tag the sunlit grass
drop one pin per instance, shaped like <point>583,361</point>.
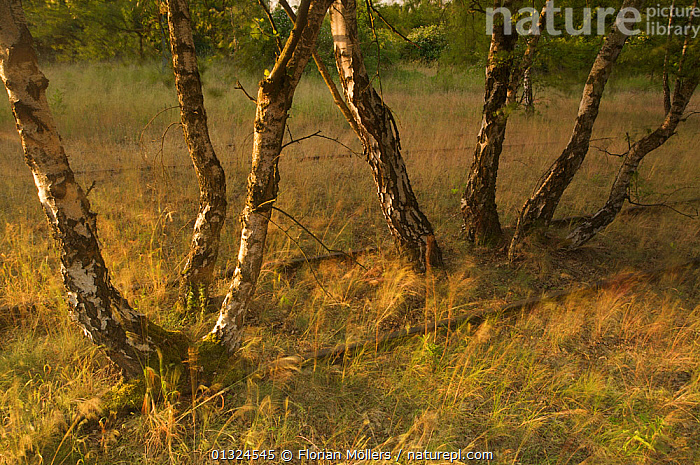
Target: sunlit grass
<point>609,377</point>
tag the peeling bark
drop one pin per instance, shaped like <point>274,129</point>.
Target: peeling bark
<point>95,304</point>
<point>478,205</point>
<point>684,89</point>
<point>374,124</point>
<point>273,102</point>
<point>204,248</point>
<point>539,208</point>
<point>323,71</point>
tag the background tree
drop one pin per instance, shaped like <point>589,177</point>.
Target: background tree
<point>521,74</point>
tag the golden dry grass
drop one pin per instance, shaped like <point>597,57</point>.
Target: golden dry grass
<point>609,377</point>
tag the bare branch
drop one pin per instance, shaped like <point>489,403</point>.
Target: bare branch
<point>606,152</point>
<point>329,250</point>
<point>143,130</point>
<point>240,87</point>
<point>275,31</point>
<point>321,136</point>
<point>89,189</point>
<point>337,97</point>
<point>313,272</point>
<point>664,205</point>
<point>688,115</point>
<point>294,141</point>
<point>391,26</point>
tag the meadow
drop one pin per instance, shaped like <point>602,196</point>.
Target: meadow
<point>607,377</point>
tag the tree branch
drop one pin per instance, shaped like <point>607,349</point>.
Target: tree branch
<point>275,31</point>
<point>240,87</point>
<point>329,250</point>
<point>664,205</point>
<point>390,26</point>
<point>337,97</point>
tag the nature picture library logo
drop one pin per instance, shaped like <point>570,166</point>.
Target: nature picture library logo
<point>651,21</point>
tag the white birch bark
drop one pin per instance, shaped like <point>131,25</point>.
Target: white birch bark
<point>540,207</point>
<point>376,128</point>
<point>273,102</point>
<point>686,85</point>
<point>95,305</point>
<point>204,248</point>
<point>478,203</point>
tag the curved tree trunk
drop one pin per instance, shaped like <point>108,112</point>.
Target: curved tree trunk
<point>378,133</point>
<point>540,207</point>
<point>95,305</point>
<point>685,87</point>
<point>204,248</point>
<point>478,205</point>
<point>274,100</point>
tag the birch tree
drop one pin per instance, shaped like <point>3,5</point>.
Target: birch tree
<point>204,247</point>
<point>685,86</point>
<point>128,337</point>
<point>375,126</point>
<point>478,205</point>
<point>540,207</point>
<point>521,73</point>
<point>274,100</point>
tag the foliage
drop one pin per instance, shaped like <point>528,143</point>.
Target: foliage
<point>430,41</point>
<point>449,33</point>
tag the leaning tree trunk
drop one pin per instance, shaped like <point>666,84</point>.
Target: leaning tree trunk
<point>377,130</point>
<point>620,189</point>
<point>274,100</point>
<point>540,207</point>
<point>478,205</point>
<point>683,92</point>
<point>95,305</point>
<point>204,248</point>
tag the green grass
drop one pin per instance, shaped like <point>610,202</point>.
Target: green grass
<point>610,377</point>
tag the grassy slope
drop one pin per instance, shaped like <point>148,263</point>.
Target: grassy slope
<point>612,377</point>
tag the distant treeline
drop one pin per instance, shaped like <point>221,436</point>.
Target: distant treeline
<point>445,33</point>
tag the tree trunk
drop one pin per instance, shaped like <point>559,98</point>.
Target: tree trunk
<point>528,101</point>
<point>274,100</point>
<point>478,205</point>
<point>95,305</point>
<point>521,74</point>
<point>204,248</point>
<point>539,208</point>
<point>376,128</point>
<point>667,52</point>
<point>685,87</point>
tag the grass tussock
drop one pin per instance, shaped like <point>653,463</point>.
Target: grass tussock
<point>608,377</point>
